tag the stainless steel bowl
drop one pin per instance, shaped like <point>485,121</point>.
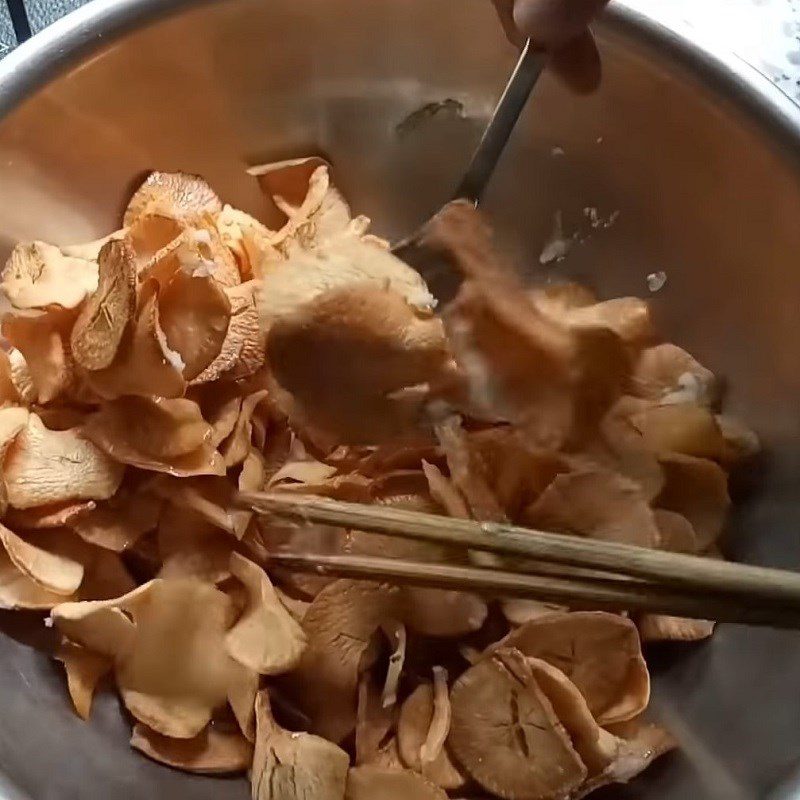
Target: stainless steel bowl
<point>697,153</point>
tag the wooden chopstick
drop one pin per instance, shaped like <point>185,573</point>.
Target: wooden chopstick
<point>576,593</point>
<point>689,573</point>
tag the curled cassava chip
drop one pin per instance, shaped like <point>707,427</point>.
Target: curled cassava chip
<point>144,364</point>
<point>43,342</point>
<point>104,318</point>
<point>44,467</point>
<point>53,572</point>
<point>194,314</point>
<point>211,752</point>
<point>38,275</point>
<point>174,195</point>
<point>84,671</point>
<point>599,652</point>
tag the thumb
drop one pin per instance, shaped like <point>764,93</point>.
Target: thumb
<point>551,23</point>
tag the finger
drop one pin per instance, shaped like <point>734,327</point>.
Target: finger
<point>577,63</point>
<point>552,23</point>
<point>505,10</point>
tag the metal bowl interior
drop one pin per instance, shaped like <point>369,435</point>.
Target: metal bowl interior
<point>696,153</point>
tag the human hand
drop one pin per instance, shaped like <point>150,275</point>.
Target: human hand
<point>560,26</point>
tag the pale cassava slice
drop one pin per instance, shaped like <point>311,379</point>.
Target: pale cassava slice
<point>38,275</point>
<point>599,652</point>
<point>53,572</point>
<point>505,733</point>
<point>211,752</point>
<point>104,318</point>
<point>167,641</point>
<point>153,426</point>
<point>294,766</point>
<point>640,743</point>
<point>44,467</point>
<point>43,342</point>
<point>191,547</point>
<point>664,628</point>
<point>120,521</point>
<point>596,746</point>
<point>84,671</point>
<point>265,638</point>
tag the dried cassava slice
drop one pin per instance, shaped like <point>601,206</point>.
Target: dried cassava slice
<point>53,572</point>
<point>345,357</point>
<point>664,628</point>
<point>42,341</point>
<point>339,264</point>
<point>44,467</point>
<point>18,591</point>
<point>155,427</point>
<point>339,624</point>
<point>194,314</point>
<point>265,638</point>
<point>367,782</point>
<point>156,434</point>
<point>414,728</point>
<point>596,747</point>
<point>104,318</point>
<point>170,660</point>
<point>191,547</point>
<point>294,766</point>
<point>696,488</point>
<point>173,195</point>
<point>144,364</point>
<point>640,744</point>
<point>211,752</point>
<point>680,428</point>
<point>120,521</point>
<point>596,503</point>
<point>84,671</point>
<point>505,733</point>
<point>249,240</point>
<point>53,515</point>
<point>242,351</point>
<point>666,373</point>
<point>599,652</point>
<point>38,275</point>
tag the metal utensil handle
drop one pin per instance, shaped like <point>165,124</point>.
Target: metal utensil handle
<point>484,159</point>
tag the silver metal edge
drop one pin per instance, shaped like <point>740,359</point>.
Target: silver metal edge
<point>88,29</point>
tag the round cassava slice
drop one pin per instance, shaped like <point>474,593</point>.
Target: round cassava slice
<point>505,733</point>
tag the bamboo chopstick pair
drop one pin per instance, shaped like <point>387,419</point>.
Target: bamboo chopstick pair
<point>591,574</point>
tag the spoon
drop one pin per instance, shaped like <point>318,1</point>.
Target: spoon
<point>527,70</point>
